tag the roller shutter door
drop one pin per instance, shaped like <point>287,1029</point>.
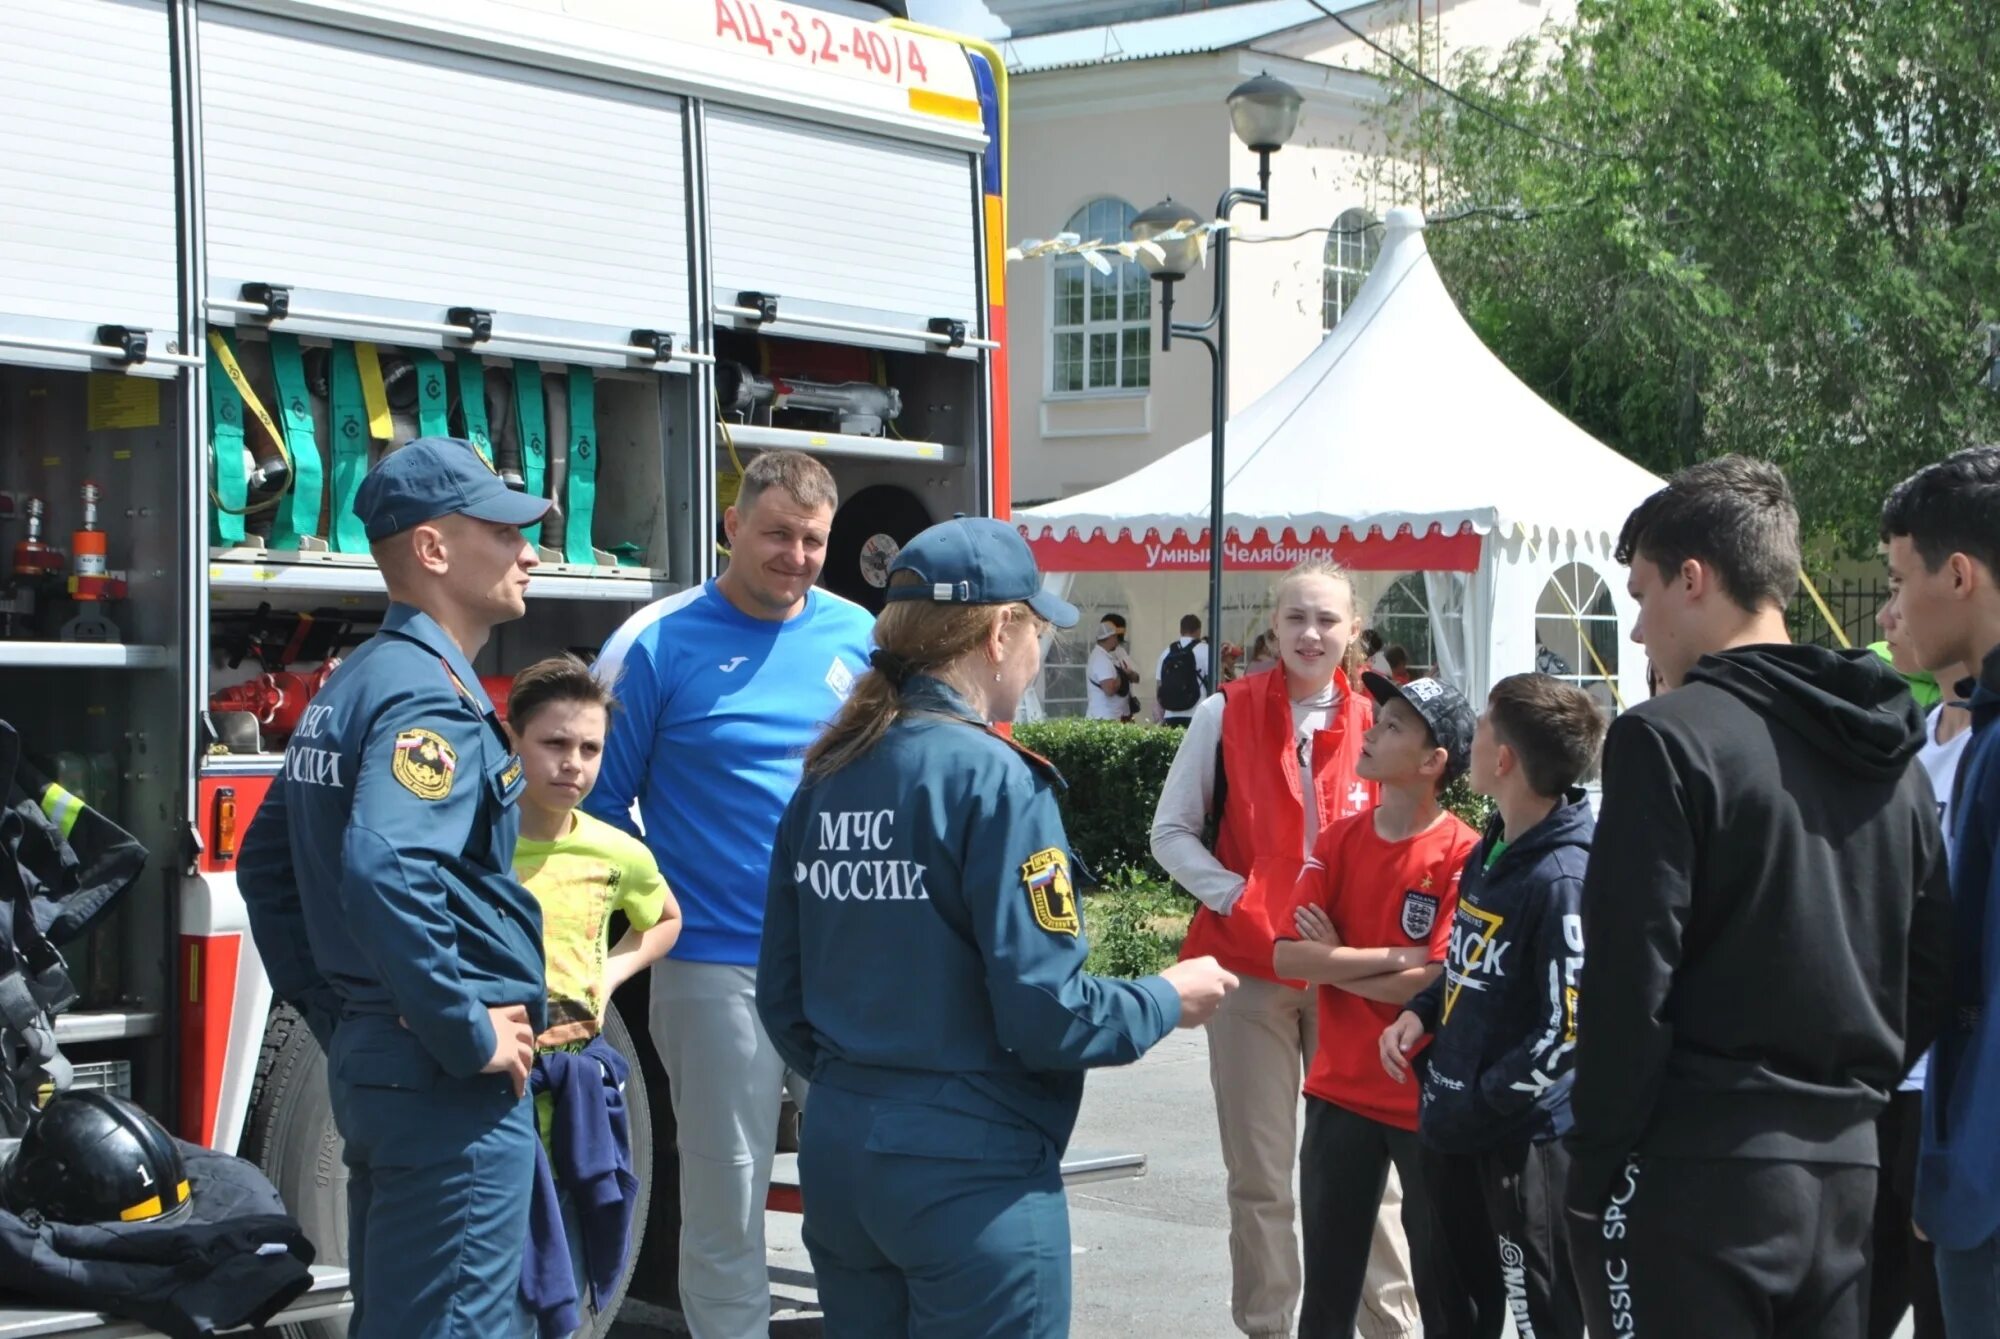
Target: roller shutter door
<point>397,173</point>
<point>867,228</point>
<point>88,232</point>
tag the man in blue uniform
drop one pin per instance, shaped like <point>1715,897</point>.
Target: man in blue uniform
<point>922,961</point>
<point>378,877</point>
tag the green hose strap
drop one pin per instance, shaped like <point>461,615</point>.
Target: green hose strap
<point>350,450</point>
<point>582,500</point>
<point>472,402</point>
<point>433,416</point>
<point>226,446</point>
<point>298,510</point>
<point>532,418</point>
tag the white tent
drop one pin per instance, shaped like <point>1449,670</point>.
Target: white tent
<point>1401,444</point>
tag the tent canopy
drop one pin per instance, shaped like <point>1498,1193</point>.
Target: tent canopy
<point>1396,445</point>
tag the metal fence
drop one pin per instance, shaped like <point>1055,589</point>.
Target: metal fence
<point>1853,604</point>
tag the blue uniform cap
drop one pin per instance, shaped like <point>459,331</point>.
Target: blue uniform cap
<point>976,560</point>
<point>438,476</point>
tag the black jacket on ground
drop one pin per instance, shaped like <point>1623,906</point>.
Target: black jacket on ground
<point>1767,913</point>
<point>1503,1015</point>
<point>235,1258</point>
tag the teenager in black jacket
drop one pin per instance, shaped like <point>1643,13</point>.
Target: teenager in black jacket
<point>1768,923</point>
<point>1496,1075</point>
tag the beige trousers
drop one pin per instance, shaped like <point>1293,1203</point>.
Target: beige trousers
<point>1259,1044</point>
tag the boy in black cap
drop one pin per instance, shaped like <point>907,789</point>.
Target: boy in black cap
<point>1373,911</point>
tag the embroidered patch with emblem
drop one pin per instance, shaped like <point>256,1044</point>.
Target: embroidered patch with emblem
<point>512,774</point>
<point>424,764</point>
<point>840,678</point>
<point>1052,897</point>
<point>1420,913</point>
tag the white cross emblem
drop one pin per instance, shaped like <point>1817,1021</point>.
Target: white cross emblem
<point>1357,797</point>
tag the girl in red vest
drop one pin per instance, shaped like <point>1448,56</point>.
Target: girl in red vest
<point>1278,751</point>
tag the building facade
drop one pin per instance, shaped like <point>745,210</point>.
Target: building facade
<point>1109,118</point>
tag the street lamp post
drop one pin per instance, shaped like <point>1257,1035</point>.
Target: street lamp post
<point>1264,113</point>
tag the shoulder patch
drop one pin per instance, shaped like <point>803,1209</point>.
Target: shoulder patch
<point>424,763</point>
<point>1051,894</point>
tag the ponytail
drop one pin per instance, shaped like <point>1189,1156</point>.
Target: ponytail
<point>872,706</point>
<point>911,637</point>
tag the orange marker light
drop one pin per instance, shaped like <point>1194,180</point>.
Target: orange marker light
<point>225,824</point>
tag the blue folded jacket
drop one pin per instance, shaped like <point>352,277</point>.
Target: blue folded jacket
<point>589,1155</point>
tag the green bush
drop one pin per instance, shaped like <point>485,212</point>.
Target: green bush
<point>1136,924</point>
<point>1474,809</point>
<point>1115,772</point>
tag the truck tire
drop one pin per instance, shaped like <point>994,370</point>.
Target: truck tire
<point>291,1136</point>
<point>639,1118</point>
<point>867,533</point>
<point>656,1268</point>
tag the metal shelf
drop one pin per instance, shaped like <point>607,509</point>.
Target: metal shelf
<point>82,1027</point>
<point>81,655</point>
<point>350,578</point>
<point>841,444</point>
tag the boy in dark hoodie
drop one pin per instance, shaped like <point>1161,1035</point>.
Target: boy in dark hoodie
<point>1496,1077</point>
<point>1768,921</point>
<point>1941,529</point>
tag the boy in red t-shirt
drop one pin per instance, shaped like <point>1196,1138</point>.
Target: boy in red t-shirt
<point>1373,911</point>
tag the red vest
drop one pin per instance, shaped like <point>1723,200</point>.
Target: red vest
<point>1263,833</point>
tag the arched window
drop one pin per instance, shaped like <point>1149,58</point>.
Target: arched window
<point>1576,632</point>
<point>1351,249</point>
<point>1402,616</point>
<point>1100,324</point>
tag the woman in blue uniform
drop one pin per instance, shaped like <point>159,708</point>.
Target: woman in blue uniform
<point>923,962</point>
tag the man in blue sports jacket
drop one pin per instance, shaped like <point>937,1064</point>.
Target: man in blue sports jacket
<point>720,688</point>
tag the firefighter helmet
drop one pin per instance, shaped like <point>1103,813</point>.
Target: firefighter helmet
<point>90,1157</point>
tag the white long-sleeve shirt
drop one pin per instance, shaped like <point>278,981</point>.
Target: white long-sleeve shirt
<point>1189,794</point>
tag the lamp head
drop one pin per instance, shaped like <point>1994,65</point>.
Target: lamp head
<point>1265,112</point>
<point>1181,254</point>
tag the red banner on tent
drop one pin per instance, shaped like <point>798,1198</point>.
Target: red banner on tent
<point>1403,551</point>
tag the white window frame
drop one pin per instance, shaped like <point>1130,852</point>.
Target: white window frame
<point>1061,665</point>
<point>1351,250</point>
<point>1560,634</point>
<point>1409,628</point>
<point>1125,273</point>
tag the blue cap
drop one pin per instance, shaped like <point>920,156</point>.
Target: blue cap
<point>976,560</point>
<point>438,476</point>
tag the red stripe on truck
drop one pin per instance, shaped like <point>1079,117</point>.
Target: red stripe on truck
<point>208,982</point>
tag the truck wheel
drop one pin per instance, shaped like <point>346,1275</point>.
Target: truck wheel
<point>639,1118</point>
<point>656,1267</point>
<point>291,1136</point>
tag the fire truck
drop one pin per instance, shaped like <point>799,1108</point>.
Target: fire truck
<point>248,247</point>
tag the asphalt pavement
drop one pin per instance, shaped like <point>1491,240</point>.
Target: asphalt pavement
<point>1151,1254</point>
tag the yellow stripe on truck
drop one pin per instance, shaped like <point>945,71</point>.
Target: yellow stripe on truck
<point>944,104</point>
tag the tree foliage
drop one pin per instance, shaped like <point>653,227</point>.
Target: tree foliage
<point>1764,226</point>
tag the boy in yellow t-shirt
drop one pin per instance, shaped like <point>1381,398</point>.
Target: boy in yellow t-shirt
<point>581,870</point>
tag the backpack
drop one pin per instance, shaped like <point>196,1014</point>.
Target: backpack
<point>1180,682</point>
